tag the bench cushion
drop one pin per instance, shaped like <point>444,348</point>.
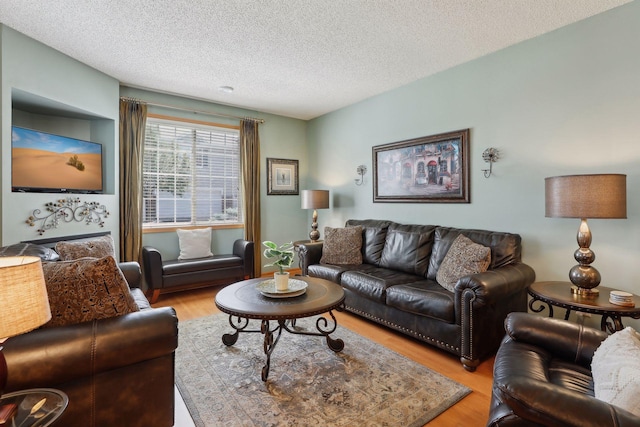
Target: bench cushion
<point>214,262</point>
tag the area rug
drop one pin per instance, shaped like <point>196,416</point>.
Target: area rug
<point>365,384</point>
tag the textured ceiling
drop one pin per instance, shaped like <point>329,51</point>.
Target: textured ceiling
<point>297,58</point>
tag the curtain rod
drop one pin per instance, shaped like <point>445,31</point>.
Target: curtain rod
<point>191,110</point>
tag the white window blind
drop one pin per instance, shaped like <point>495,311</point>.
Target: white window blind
<point>191,174</point>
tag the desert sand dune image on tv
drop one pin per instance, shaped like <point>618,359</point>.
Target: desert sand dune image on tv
<point>46,161</point>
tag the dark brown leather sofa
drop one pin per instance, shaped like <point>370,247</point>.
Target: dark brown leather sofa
<point>116,372</point>
<point>172,275</point>
<point>395,285</point>
<point>542,377</point>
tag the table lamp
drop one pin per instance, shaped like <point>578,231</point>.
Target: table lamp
<point>585,196</point>
<point>315,199</point>
<point>24,304</point>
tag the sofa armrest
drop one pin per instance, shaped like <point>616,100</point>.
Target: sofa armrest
<point>495,285</point>
<point>548,404</point>
<point>245,250</point>
<point>482,302</point>
<point>152,267</point>
<point>309,253</point>
<point>46,357</point>
<point>565,340</point>
<point>132,272</point>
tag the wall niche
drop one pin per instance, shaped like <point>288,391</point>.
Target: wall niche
<point>34,112</point>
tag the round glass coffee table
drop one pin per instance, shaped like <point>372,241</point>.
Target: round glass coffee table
<point>252,299</point>
<point>35,407</point>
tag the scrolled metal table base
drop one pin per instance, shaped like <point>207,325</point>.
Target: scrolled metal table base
<point>272,334</point>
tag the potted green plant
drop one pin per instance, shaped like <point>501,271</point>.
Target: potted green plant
<point>283,257</point>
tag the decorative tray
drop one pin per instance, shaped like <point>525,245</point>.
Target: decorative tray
<point>268,289</point>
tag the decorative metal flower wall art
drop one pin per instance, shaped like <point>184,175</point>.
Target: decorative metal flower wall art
<point>67,210</point>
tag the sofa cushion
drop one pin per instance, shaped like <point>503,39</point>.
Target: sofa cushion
<point>408,248</point>
<point>86,289</point>
<point>30,249</point>
<point>342,246</point>
<point>373,282</point>
<point>194,243</point>
<point>463,258</point>
<point>616,370</point>
<point>424,298</point>
<point>374,234</point>
<point>98,247</point>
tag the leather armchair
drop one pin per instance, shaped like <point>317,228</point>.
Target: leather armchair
<point>542,376</point>
<point>116,371</point>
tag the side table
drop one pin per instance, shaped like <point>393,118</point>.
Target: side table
<point>550,294</point>
<point>35,407</point>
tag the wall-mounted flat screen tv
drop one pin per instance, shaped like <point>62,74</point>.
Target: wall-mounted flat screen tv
<point>44,162</point>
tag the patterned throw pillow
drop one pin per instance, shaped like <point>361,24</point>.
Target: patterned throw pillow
<point>99,247</point>
<point>342,246</point>
<point>86,289</point>
<point>615,368</point>
<point>463,258</point>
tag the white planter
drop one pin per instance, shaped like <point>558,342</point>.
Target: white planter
<point>282,281</point>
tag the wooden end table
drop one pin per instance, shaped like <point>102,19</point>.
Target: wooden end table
<point>243,301</point>
<point>559,294</point>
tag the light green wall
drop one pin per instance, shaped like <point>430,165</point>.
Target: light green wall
<point>567,102</point>
<point>280,137</point>
<point>88,101</point>
<point>88,104</point>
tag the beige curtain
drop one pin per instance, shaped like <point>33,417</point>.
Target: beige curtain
<point>250,159</point>
<point>133,119</point>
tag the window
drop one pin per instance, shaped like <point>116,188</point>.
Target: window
<point>191,174</point>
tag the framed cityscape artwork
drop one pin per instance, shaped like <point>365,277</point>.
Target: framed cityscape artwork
<point>282,177</point>
<point>430,169</point>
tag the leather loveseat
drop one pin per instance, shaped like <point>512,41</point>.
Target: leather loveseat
<point>396,285</point>
<point>115,371</point>
<point>167,275</point>
<point>542,376</point>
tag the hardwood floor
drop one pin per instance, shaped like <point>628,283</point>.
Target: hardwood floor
<point>473,410</point>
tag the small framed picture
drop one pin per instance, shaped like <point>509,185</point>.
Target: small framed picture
<point>282,177</point>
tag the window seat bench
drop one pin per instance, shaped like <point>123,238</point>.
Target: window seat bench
<point>176,275</point>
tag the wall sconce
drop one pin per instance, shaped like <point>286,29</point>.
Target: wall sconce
<point>361,170</point>
<point>490,155</point>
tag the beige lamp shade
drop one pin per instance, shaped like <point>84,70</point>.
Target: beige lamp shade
<point>315,199</point>
<point>586,196</point>
<point>24,304</point>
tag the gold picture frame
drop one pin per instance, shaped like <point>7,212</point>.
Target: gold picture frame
<point>430,169</point>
